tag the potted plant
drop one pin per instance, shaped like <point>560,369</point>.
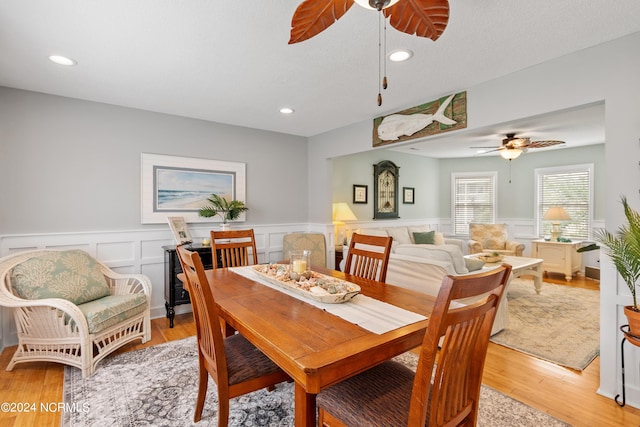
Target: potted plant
<point>623,248</point>
<point>228,210</point>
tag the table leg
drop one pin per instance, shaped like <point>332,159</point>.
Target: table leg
<point>305,407</point>
<point>537,279</point>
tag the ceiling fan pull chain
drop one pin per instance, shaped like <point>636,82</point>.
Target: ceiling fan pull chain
<point>379,59</point>
<point>384,54</point>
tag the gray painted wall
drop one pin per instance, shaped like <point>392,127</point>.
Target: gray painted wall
<point>431,179</point>
<point>72,165</point>
<point>418,172</point>
<point>516,199</point>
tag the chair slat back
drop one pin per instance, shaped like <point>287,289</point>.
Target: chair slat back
<point>368,256</point>
<point>235,248</point>
<point>448,379</point>
<point>209,333</point>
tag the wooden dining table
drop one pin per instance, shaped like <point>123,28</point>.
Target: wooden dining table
<point>316,348</point>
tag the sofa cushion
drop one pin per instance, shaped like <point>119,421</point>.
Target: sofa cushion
<point>109,311</point>
<point>426,238</point>
<point>71,275</point>
<point>448,253</point>
<point>473,264</point>
<point>399,234</point>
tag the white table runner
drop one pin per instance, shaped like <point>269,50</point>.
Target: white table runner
<point>369,313</point>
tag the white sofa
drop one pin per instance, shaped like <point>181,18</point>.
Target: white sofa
<point>421,267</point>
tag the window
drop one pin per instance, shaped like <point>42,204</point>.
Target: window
<point>570,187</point>
<point>474,199</point>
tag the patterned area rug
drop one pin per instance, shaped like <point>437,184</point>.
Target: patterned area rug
<point>561,325</point>
<point>157,386</point>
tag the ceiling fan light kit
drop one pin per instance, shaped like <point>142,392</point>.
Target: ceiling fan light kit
<point>510,154</point>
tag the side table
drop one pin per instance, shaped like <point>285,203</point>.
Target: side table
<point>174,292</point>
<point>338,257</point>
<point>559,257</point>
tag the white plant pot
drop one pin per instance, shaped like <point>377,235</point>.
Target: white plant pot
<point>225,226</point>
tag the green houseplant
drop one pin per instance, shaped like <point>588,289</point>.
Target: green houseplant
<point>623,248</point>
<point>228,210</point>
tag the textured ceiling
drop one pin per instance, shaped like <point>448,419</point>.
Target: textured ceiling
<point>229,61</point>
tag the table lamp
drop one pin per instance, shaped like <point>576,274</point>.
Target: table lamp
<point>555,215</point>
<point>341,213</point>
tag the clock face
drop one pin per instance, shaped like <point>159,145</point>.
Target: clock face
<point>386,192</point>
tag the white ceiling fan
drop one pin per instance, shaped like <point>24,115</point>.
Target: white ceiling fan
<point>513,146</point>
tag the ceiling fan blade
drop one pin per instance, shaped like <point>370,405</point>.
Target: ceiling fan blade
<point>541,144</point>
<point>424,18</point>
<point>495,147</point>
<point>314,16</point>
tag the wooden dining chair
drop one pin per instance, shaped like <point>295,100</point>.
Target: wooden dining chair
<point>235,248</point>
<point>445,389</point>
<point>236,365</point>
<point>368,256</point>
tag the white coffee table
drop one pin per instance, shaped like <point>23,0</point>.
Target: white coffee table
<point>521,266</point>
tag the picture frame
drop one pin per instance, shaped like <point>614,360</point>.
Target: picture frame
<point>360,193</point>
<point>179,229</point>
<point>179,186</point>
<point>408,195</point>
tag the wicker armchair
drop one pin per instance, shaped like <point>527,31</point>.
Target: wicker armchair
<point>492,238</point>
<point>52,328</point>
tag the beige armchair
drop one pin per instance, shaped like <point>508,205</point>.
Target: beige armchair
<point>313,242</point>
<point>492,238</point>
<point>70,308</point>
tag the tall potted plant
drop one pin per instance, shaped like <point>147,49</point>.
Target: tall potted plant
<point>623,248</point>
<point>228,210</point>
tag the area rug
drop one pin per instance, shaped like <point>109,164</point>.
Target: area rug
<point>157,386</point>
<point>560,325</point>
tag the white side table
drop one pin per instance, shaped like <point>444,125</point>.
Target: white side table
<point>559,257</point>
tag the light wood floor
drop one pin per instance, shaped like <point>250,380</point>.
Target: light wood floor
<point>565,394</point>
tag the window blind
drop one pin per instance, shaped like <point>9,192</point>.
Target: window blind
<point>473,201</point>
<point>571,188</point>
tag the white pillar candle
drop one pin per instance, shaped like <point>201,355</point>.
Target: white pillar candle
<point>299,266</point>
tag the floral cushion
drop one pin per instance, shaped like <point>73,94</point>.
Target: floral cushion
<point>109,311</point>
<point>71,275</point>
<point>492,236</point>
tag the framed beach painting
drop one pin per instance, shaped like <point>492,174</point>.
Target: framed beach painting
<point>179,186</point>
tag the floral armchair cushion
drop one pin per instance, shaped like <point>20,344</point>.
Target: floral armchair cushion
<point>71,275</point>
<point>491,236</point>
<point>313,242</point>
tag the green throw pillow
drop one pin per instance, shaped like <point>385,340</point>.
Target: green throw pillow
<point>473,264</point>
<point>425,238</point>
<point>71,275</point>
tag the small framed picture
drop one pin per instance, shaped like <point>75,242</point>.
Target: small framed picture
<point>407,195</point>
<point>359,194</point>
<point>179,229</point>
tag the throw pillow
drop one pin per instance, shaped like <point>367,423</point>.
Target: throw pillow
<point>427,238</point>
<point>71,275</point>
<point>473,264</point>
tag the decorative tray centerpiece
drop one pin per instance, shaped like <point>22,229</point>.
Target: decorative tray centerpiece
<point>309,283</point>
<point>490,257</point>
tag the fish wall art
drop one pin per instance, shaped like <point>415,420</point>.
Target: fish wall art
<point>442,115</point>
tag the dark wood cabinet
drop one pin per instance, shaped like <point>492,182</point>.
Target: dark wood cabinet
<point>174,292</point>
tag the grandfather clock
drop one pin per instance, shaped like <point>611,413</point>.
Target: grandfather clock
<point>385,190</point>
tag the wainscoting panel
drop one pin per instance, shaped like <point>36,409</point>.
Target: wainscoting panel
<point>141,252</point>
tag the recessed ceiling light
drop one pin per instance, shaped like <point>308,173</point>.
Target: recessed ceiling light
<point>286,110</point>
<point>400,55</point>
<point>62,60</point>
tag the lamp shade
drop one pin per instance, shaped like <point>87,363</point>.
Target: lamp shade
<point>556,213</point>
<point>510,153</point>
<point>342,212</point>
